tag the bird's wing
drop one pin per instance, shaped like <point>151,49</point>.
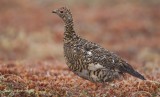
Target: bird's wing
<point>109,60</point>
<point>100,55</point>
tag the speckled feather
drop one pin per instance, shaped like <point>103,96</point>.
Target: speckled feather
<point>89,60</point>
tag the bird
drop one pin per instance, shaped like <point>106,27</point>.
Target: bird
<point>89,60</point>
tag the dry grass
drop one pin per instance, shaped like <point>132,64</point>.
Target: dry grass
<point>31,52</point>
<point>51,78</point>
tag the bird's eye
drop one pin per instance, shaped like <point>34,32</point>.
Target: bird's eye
<point>61,11</point>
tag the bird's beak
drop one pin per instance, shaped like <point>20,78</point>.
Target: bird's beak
<point>54,11</point>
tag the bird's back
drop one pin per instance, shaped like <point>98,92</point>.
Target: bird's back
<point>92,62</point>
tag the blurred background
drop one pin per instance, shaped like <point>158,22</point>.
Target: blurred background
<point>31,46</point>
<point>131,28</point>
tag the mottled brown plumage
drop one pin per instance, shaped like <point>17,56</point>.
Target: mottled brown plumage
<point>89,60</point>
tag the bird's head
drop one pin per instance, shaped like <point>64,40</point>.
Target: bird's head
<point>64,13</point>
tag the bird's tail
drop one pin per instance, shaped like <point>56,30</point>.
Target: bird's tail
<point>128,69</point>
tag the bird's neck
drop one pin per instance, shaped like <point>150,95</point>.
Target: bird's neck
<point>69,34</point>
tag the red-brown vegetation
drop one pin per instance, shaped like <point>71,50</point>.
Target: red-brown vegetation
<point>31,47</point>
